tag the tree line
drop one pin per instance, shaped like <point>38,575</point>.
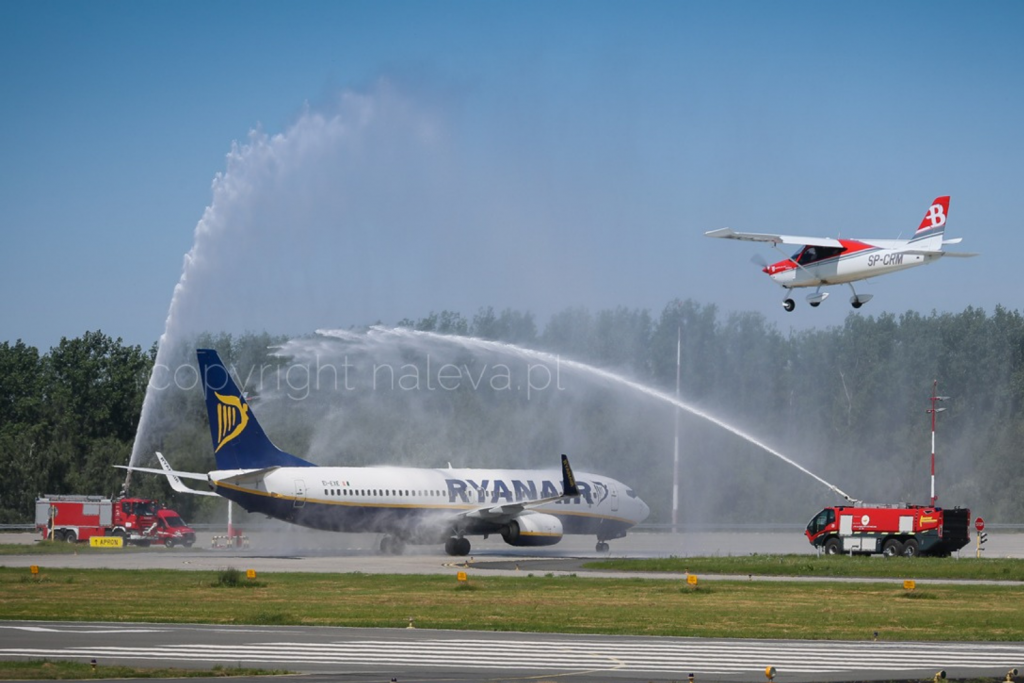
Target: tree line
<point>847,402</point>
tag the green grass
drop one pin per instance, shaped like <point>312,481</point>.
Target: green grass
<point>739,609</point>
<point>828,566</point>
<point>60,670</point>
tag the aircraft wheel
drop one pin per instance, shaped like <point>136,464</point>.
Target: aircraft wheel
<point>789,305</point>
<point>463,546</point>
<point>449,546</point>
<point>815,304</point>
<point>856,303</point>
<point>892,547</point>
<point>602,547</point>
<point>833,546</point>
<point>911,548</point>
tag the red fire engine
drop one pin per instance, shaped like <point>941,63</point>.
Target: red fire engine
<point>138,521</point>
<point>908,530</point>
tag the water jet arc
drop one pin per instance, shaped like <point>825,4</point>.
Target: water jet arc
<point>513,349</point>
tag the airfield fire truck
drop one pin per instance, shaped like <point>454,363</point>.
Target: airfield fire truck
<point>137,521</point>
<point>908,530</point>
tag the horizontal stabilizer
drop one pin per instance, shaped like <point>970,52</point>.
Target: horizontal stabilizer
<point>940,252</point>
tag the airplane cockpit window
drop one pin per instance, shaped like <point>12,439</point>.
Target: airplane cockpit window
<point>631,493</point>
<point>811,254</point>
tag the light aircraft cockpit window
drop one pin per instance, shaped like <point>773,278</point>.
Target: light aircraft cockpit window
<point>814,254</point>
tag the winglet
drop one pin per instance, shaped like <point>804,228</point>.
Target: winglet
<point>175,481</point>
<point>569,487</point>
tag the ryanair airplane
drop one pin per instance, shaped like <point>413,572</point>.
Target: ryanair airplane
<point>406,504</point>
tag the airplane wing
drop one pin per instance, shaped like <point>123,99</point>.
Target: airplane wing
<point>496,513</point>
<point>729,233</point>
<point>173,477</point>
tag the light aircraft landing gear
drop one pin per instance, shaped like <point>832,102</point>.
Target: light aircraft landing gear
<point>457,546</point>
<point>789,305</point>
<point>602,547</point>
<point>858,300</point>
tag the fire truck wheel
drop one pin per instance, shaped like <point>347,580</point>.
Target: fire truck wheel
<point>58,535</point>
<point>188,544</point>
<point>169,543</point>
<point>833,546</point>
<point>911,548</point>
<point>70,537</point>
<point>892,547</point>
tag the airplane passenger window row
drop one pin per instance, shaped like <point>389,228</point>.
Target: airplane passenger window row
<point>382,492</point>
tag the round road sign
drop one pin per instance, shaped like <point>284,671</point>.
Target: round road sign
<point>979,524</point>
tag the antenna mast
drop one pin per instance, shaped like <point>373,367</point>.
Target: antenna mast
<point>934,411</point>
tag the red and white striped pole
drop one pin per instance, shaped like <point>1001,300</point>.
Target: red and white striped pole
<point>934,410</point>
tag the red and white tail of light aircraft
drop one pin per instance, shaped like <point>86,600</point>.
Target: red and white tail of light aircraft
<point>823,261</point>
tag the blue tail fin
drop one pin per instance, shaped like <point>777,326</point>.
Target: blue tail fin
<point>239,443</point>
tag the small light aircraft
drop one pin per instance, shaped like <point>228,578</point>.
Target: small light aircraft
<point>823,261</point>
<point>405,504</point>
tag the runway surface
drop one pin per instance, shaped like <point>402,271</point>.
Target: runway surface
<point>425,655</point>
<point>433,656</point>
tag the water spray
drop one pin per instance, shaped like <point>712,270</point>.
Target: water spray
<point>606,375</point>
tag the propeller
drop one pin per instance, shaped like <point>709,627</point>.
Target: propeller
<point>759,261</point>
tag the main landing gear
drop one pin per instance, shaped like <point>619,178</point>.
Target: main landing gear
<point>601,547</point>
<point>457,546</point>
<point>857,300</point>
<point>391,545</point>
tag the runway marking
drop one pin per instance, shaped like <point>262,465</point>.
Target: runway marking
<point>659,656</point>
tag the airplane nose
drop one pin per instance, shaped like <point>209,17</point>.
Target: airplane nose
<point>644,511</point>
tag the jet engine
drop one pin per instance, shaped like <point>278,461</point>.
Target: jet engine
<point>532,529</point>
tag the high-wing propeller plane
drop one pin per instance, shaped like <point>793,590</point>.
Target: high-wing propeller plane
<point>823,261</point>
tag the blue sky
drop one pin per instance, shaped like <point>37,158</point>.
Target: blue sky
<point>585,149</point>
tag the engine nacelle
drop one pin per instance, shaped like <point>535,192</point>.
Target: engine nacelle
<point>532,529</point>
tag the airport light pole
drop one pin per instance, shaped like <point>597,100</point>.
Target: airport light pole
<point>675,459</point>
<point>934,411</point>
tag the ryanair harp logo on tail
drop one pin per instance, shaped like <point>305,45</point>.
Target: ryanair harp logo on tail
<point>232,417</point>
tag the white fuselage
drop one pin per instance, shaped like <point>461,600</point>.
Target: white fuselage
<point>423,505</point>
